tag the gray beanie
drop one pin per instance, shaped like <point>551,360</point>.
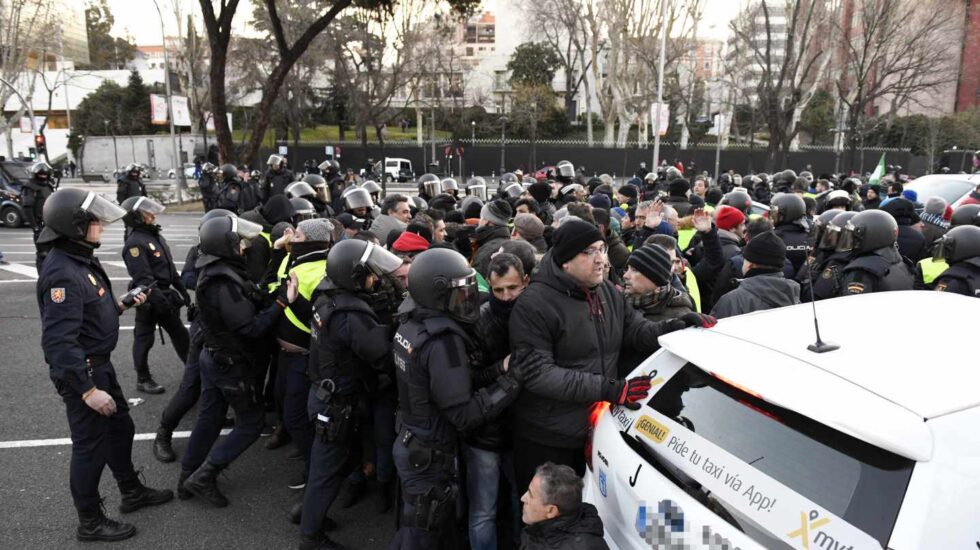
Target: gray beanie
<point>936,206</point>
<point>317,229</point>
<point>497,212</point>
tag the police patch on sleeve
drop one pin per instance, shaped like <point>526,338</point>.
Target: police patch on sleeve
<point>941,287</point>
<point>134,252</point>
<point>855,288</point>
<point>57,295</point>
<point>91,279</point>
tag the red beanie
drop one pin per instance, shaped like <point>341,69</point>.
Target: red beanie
<point>728,217</point>
<point>410,242</point>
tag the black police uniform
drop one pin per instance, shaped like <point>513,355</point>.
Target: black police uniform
<point>881,270</point>
<point>79,330</point>
<point>33,195</point>
<point>431,353</point>
<point>274,183</point>
<point>828,278</point>
<point>795,236</point>
<point>150,262</point>
<point>209,190</point>
<point>128,186</point>
<point>230,196</point>
<point>233,317</point>
<point>962,278</point>
<point>349,345</point>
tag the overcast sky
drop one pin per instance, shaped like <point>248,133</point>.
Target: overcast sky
<point>143,26</point>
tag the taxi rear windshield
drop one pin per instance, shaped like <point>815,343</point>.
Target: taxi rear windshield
<point>858,482</point>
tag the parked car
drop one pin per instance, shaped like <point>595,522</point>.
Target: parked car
<point>751,440</point>
<point>395,169</point>
<point>188,171</point>
<point>951,187</point>
<point>544,173</point>
<point>13,174</point>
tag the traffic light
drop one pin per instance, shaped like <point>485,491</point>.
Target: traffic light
<point>39,144</point>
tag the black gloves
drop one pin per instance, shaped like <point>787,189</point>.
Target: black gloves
<point>627,392</point>
<point>698,320</point>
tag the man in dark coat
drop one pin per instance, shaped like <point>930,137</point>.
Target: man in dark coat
<point>492,232</point>
<point>555,515</point>
<point>764,286</point>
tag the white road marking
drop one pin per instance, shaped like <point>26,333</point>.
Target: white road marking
<point>28,443</point>
<point>2,281</point>
<point>20,269</point>
<point>131,328</point>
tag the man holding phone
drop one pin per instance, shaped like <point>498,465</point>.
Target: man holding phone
<point>79,330</point>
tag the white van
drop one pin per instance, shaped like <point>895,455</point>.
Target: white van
<point>750,440</point>
<point>399,170</point>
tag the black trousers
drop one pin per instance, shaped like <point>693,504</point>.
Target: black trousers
<point>147,319</point>
<point>96,440</point>
<point>189,391</point>
<point>528,455</point>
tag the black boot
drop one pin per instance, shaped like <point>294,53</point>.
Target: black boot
<point>384,496</point>
<point>163,450</point>
<point>94,525</point>
<point>183,494</point>
<point>204,484</point>
<point>296,513</point>
<point>146,384</point>
<point>321,542</point>
<point>278,438</point>
<point>351,493</point>
<point>135,495</point>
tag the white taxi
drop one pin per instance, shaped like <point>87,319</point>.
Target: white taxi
<point>750,440</point>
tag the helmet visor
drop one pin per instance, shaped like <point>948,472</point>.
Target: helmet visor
<point>274,161</point>
<point>514,190</point>
<point>357,198</point>
<point>464,299</point>
<point>299,189</point>
<point>101,208</point>
<point>478,191</point>
<point>849,240</point>
<point>148,205</point>
<point>449,183</point>
<point>942,249</point>
<point>828,237</point>
<point>432,188</point>
<point>566,170</point>
<point>380,261</point>
<point>244,228</point>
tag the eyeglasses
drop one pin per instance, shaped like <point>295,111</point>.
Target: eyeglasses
<point>593,252</point>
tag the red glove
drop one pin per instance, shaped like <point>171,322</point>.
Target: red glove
<point>634,389</point>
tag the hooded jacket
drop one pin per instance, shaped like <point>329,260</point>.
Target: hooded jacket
<point>760,290</point>
<point>576,336</point>
<point>579,531</point>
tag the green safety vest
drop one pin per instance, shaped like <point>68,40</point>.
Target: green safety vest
<point>308,275</point>
<point>692,287</point>
<point>931,269</point>
<point>684,237</point>
<point>280,274</point>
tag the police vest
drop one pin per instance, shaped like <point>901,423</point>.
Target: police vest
<point>931,269</point>
<point>827,282</point>
<point>966,272</point>
<point>331,358</point>
<point>886,275</point>
<point>419,413</point>
<point>216,333</point>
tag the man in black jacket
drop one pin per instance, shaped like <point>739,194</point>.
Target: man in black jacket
<point>151,264</point>
<point>571,323</point>
<point>277,177</point>
<point>555,515</point>
<point>764,285</point>
<point>130,184</point>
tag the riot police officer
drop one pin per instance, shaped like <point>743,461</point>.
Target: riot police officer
<point>876,266</point>
<point>330,170</point>
<point>787,211</point>
<point>451,187</point>
<point>960,248</point>
<point>565,172</point>
<point>827,269</point>
<point>430,185</point>
<point>79,330</point>
<point>34,193</point>
<point>130,184</point>
<point>431,353</point>
<point>208,185</point>
<point>357,201</point>
<point>320,196</point>
<point>477,187</point>
<point>374,190</point>
<point>233,316</point>
<point>230,194</point>
<point>277,177</point>
<point>150,264</point>
<point>350,347</point>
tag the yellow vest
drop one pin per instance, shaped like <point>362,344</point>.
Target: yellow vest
<point>691,282</point>
<point>280,274</point>
<point>684,237</point>
<point>931,269</point>
<point>308,275</point>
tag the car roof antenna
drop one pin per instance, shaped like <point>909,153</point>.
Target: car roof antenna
<point>819,346</point>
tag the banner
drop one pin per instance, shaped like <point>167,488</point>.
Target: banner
<point>718,125</point>
<point>25,124</point>
<point>209,121</point>
<point>181,110</point>
<point>664,109</point>
<point>158,109</point>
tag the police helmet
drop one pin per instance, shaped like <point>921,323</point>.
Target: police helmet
<point>528,180</point>
<point>442,280</point>
<point>868,231</point>
<point>221,237</point>
<point>785,208</point>
<point>449,184</point>
<point>565,171</point>
<point>749,181</point>
<point>255,174</point>
<point>41,168</point>
<point>215,213</point>
<point>329,167</point>
<point>228,172</point>
<point>275,161</point>
<point>958,244</point>
<point>820,225</point>
<point>967,214</point>
<point>68,212</point>
<point>831,234</point>
<point>807,175</point>
<point>371,187</point>
<point>673,173</point>
<point>313,180</point>
<point>136,206</point>
<point>357,197</point>
<point>839,197</point>
<point>507,179</point>
<point>650,178</point>
<point>208,168</point>
<point>477,187</point>
<point>419,204</point>
<point>429,185</point>
<point>304,209</point>
<point>300,189</point>
<point>739,200</point>
<point>514,190</point>
<point>350,261</point>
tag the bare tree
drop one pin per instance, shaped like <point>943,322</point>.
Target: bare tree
<point>891,51</point>
<point>21,36</point>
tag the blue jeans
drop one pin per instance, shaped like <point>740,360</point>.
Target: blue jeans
<point>483,470</point>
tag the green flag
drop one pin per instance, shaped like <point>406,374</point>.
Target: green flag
<point>879,171</point>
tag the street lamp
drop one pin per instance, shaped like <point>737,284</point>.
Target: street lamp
<point>473,133</point>
<point>178,170</point>
<point>503,142</point>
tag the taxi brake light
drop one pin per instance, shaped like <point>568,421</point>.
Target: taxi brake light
<point>596,410</point>
<point>737,386</point>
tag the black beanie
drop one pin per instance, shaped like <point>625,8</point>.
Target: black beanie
<point>678,187</point>
<point>629,190</point>
<point>653,262</point>
<point>713,196</point>
<point>473,210</point>
<point>765,249</point>
<point>541,191</point>
<point>573,237</point>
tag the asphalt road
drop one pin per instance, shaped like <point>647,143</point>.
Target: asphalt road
<point>35,504</point>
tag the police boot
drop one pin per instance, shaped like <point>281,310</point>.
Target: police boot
<point>184,494</point>
<point>204,484</point>
<point>94,525</point>
<point>351,493</point>
<point>384,496</point>
<point>135,495</point>
<point>320,542</point>
<point>278,438</point>
<point>146,384</point>
<point>162,448</point>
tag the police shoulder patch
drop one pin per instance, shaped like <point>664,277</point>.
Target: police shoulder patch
<point>58,295</point>
<point>134,252</point>
<point>941,287</point>
<point>91,279</point>
<point>855,288</point>
<point>827,273</point>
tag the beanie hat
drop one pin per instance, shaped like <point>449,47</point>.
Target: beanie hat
<point>600,200</point>
<point>571,238</point>
<point>678,187</point>
<point>317,229</point>
<point>541,191</point>
<point>653,262</point>
<point>911,195</point>
<point>936,206</point>
<point>409,242</point>
<point>713,195</point>
<point>728,217</point>
<point>473,209</point>
<point>765,249</point>
<point>497,212</point>
<point>696,201</point>
<point>902,210</point>
<point>630,191</point>
<point>442,201</point>
<point>420,229</point>
<point>529,226</point>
